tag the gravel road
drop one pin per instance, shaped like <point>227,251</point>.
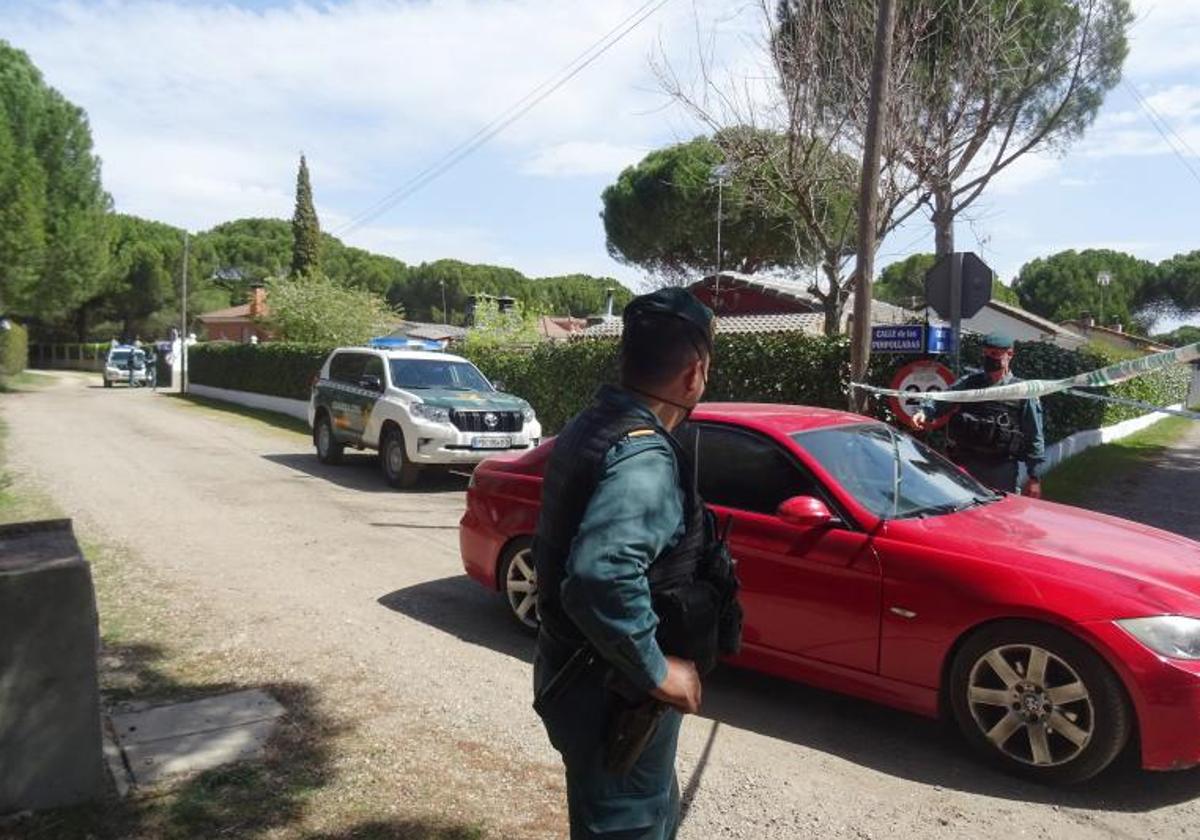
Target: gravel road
<point>360,589</point>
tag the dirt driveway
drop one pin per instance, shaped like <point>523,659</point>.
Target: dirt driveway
<point>359,591</point>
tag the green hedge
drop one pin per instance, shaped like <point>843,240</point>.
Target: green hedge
<point>558,379</point>
<point>14,349</point>
<point>280,369</point>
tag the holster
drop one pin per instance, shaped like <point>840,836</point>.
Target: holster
<point>630,728</point>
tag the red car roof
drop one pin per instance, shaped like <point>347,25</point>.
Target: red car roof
<point>775,417</point>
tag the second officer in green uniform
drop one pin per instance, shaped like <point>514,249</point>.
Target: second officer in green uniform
<point>620,543</point>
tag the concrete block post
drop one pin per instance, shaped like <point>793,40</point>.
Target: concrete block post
<point>50,732</point>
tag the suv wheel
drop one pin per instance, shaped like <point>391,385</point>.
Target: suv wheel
<point>329,451</point>
<point>1039,702</point>
<point>397,469</point>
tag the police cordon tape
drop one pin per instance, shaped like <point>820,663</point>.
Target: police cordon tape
<point>1145,406</point>
<point>1029,388</point>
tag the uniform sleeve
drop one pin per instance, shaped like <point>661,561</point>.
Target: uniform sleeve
<point>1032,428</point>
<point>635,514</point>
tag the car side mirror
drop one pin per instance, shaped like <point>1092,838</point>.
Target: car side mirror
<point>370,382</point>
<point>498,384</point>
<point>806,512</point>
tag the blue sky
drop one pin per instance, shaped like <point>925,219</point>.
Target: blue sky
<point>200,109</point>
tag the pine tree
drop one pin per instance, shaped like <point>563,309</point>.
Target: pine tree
<point>306,230</point>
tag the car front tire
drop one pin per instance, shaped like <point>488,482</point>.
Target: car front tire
<point>517,577</point>
<point>329,451</point>
<point>393,458</point>
<point>1038,702</point>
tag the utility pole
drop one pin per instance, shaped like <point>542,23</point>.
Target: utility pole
<point>868,201</point>
<point>183,321</point>
<point>445,314</point>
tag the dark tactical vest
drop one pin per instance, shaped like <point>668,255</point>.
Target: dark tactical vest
<point>990,428</point>
<point>692,593</point>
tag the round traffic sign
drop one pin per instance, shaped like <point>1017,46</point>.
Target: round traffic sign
<point>918,378</point>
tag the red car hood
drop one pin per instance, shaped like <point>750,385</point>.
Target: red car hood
<point>1156,568</point>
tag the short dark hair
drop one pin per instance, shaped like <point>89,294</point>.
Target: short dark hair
<point>657,348</point>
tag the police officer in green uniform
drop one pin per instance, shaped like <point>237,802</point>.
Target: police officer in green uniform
<point>991,439</point>
<point>620,532</point>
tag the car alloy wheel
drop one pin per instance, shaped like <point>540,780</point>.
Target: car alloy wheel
<point>1039,702</point>
<point>519,575</point>
<point>1031,705</point>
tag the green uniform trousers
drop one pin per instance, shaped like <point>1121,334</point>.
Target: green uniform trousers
<point>643,805</point>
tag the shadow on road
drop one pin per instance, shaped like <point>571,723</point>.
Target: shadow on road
<point>464,609</point>
<point>360,471</point>
<point>886,740</point>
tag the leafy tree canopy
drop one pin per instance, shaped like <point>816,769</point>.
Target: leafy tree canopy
<point>1180,336</point>
<point>53,225</point>
<point>1064,286</point>
<point>313,308</point>
<point>661,215</point>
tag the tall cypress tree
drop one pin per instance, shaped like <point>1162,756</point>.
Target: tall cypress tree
<point>306,230</point>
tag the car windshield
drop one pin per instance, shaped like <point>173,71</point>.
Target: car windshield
<point>119,358</point>
<point>863,459</point>
<point>436,373</point>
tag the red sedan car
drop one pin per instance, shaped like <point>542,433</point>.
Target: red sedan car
<point>872,566</point>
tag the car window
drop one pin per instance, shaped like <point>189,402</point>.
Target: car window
<point>347,367</point>
<point>741,470</point>
<point>373,367</point>
<point>118,357</point>
<point>863,458</point>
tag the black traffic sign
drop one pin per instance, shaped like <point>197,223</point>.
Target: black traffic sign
<point>976,284</point>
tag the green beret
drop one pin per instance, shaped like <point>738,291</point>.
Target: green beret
<point>672,302</point>
<point>999,340</point>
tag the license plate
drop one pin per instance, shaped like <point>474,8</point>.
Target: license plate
<point>491,443</point>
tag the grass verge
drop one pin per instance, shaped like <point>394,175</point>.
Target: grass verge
<point>321,778</point>
<point>1072,481</point>
<point>256,416</point>
<point>24,381</point>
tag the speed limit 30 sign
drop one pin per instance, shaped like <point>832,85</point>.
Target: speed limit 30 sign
<point>918,378</point>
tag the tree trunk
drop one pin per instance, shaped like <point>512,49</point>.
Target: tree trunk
<point>832,302</point>
<point>943,220</point>
<point>868,203</point>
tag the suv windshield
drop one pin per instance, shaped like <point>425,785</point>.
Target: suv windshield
<point>436,373</point>
<point>118,358</point>
<point>863,460</point>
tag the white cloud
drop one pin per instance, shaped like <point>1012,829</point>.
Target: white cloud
<point>1164,39</point>
<point>580,157</point>
<point>371,90</point>
<point>1026,171</point>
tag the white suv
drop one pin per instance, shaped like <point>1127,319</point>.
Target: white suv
<point>417,408</point>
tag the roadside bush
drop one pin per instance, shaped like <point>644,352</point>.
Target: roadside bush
<point>14,350</point>
<point>280,369</point>
<point>559,379</point>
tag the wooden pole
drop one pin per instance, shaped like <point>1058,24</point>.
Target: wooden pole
<point>868,201</point>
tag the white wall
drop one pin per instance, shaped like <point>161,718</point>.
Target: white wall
<point>280,405</point>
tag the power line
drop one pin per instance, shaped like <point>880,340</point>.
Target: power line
<point>1162,127</point>
<point>506,118</point>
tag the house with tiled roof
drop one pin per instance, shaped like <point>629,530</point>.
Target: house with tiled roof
<point>745,303</point>
<point>238,323</point>
<point>1114,336</point>
<point>1020,324</point>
